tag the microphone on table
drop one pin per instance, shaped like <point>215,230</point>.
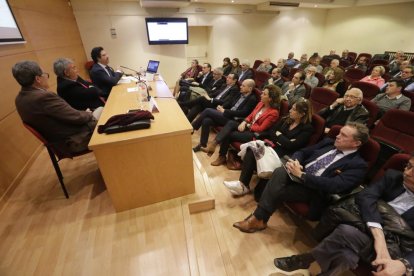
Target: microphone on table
<point>139,80</point>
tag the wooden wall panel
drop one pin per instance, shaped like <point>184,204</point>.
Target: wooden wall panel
<point>50,29</point>
<point>9,86</point>
<point>16,147</point>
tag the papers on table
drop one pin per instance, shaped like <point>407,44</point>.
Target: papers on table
<point>127,79</point>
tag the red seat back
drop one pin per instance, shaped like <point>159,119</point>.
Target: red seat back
<point>256,63</point>
<point>322,97</point>
<point>318,124</point>
<point>372,111</point>
<point>260,78</point>
<point>353,74</point>
<point>369,90</point>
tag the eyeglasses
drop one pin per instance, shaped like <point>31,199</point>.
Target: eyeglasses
<point>409,166</point>
<point>351,96</point>
<point>45,74</point>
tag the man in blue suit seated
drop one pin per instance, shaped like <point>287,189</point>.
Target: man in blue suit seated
<point>101,74</point>
<point>311,175</point>
<point>384,235</point>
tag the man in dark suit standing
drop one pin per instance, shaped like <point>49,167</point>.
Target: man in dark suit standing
<point>329,167</point>
<point>341,250</point>
<point>67,128</point>
<point>101,74</point>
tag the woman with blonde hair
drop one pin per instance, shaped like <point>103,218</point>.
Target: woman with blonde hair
<point>335,81</point>
<point>376,76</point>
<point>288,135</point>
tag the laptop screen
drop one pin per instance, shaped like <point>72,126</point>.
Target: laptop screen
<point>153,66</point>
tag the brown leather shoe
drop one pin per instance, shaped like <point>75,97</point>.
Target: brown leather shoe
<point>250,224</point>
<point>221,160</point>
<point>211,147</point>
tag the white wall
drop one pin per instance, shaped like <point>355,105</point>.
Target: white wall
<point>250,36</point>
<point>372,29</point>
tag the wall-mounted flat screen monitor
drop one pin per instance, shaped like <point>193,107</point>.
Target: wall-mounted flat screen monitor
<point>9,30</point>
<point>167,30</point>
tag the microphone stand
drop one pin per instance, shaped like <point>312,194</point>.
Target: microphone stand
<point>139,80</point>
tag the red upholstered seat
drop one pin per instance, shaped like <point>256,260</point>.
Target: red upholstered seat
<point>260,78</point>
<point>373,110</point>
<point>322,97</point>
<point>395,130</point>
<point>353,74</point>
<point>55,155</point>
<point>369,90</point>
<point>256,63</point>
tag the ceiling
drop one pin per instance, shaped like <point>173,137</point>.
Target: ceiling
<point>276,5</point>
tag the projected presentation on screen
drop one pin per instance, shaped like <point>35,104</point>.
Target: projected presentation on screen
<point>9,31</point>
<point>167,30</point>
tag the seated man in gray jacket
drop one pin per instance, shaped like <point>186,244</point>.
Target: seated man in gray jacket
<point>346,109</point>
<point>67,128</point>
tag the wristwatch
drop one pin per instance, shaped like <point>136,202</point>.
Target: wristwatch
<point>408,267</point>
<point>302,176</point>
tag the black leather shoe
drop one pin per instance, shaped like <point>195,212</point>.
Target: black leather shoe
<point>294,262</point>
<point>197,148</point>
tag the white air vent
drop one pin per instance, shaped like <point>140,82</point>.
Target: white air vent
<point>165,3</point>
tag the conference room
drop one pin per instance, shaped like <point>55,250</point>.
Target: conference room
<point>182,233</point>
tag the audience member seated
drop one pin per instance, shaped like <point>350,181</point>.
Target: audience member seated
<point>345,110</point>
<point>404,64</point>
<point>345,56</point>
<point>265,114</point>
<point>288,135</point>
<point>237,110</point>
<point>246,72</point>
<point>77,92</point>
<point>204,80</point>
<point>226,66</point>
<point>103,76</point>
<point>329,167</point>
<point>315,61</point>
<point>310,79</point>
<point>235,67</point>
<point>376,76</point>
<point>392,98</point>
<point>265,66</point>
<point>407,76</point>
<point>294,90</point>
<point>303,62</point>
<point>290,61</point>
<point>67,128</point>
<point>361,64</point>
<point>395,63</point>
<point>335,81</point>
<point>275,78</point>
<point>396,57</point>
<point>212,99</point>
<point>190,74</point>
<point>328,70</point>
<point>283,67</point>
<point>382,219</point>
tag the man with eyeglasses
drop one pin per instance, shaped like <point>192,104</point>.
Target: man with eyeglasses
<point>382,218</point>
<point>346,109</point>
<point>67,128</point>
<point>204,80</point>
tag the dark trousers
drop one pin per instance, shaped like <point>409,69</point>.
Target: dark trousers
<point>196,106</point>
<point>235,136</point>
<point>248,167</point>
<point>208,118</point>
<point>338,252</point>
<point>281,189</point>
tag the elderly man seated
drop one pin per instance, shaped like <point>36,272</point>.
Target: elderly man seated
<point>328,70</point>
<point>265,66</point>
<point>69,129</point>
<point>294,90</point>
<point>79,93</point>
<point>385,215</point>
<point>392,98</point>
<point>246,71</point>
<point>346,109</point>
<point>311,175</point>
<point>310,79</point>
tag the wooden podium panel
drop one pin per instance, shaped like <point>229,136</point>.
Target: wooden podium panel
<point>145,166</point>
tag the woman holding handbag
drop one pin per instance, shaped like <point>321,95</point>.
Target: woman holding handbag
<point>290,134</point>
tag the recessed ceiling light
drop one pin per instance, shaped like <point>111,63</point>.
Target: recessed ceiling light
<point>232,1</point>
<point>315,6</point>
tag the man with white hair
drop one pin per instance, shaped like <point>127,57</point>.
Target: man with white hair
<point>346,109</point>
<point>328,70</point>
<point>310,79</point>
<point>246,72</point>
<point>265,66</point>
